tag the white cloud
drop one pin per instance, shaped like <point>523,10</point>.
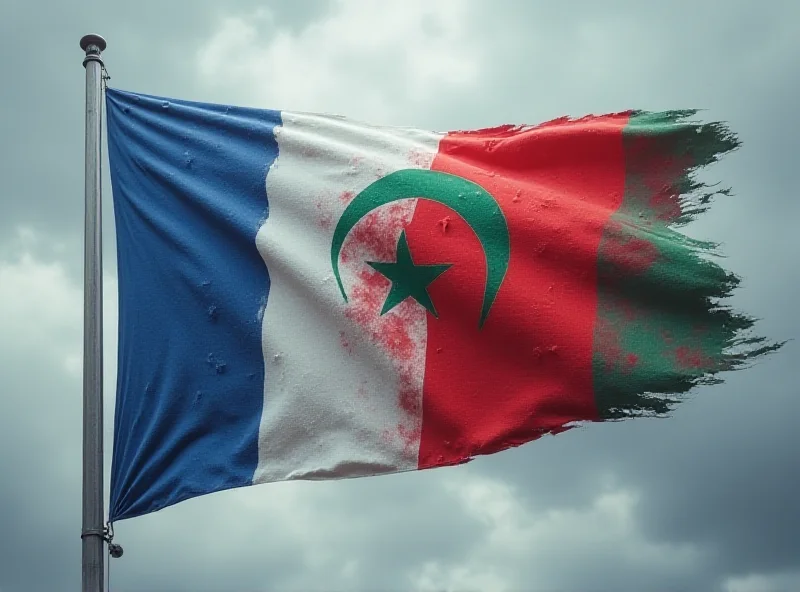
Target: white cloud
<point>365,56</point>
<point>530,547</point>
<point>304,536</point>
<point>42,344</point>
<point>784,582</point>
<point>41,305</point>
<point>343,535</point>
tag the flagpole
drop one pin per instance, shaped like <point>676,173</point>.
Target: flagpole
<point>93,535</point>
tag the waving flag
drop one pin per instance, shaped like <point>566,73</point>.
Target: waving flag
<point>309,297</point>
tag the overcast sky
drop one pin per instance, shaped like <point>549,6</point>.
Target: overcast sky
<point>708,499</point>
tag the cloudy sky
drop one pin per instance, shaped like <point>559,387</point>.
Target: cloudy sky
<point>706,500</point>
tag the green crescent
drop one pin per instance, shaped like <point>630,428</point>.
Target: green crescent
<point>472,202</point>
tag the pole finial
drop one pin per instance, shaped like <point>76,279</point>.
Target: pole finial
<point>87,41</point>
<point>93,45</point>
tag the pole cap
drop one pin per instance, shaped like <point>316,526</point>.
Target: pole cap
<point>96,40</point>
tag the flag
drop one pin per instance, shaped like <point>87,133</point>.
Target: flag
<point>304,296</point>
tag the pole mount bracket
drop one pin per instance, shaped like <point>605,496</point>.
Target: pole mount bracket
<point>107,534</point>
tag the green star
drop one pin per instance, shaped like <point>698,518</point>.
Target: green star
<point>408,279</point>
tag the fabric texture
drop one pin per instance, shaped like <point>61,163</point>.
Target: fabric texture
<point>305,296</point>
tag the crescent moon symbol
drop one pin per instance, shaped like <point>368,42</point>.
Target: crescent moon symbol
<point>473,203</point>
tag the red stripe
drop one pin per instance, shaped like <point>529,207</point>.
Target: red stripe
<point>529,369</point>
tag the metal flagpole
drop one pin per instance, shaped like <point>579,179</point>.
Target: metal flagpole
<point>93,534</point>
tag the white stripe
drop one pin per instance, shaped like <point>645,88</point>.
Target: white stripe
<point>343,386</point>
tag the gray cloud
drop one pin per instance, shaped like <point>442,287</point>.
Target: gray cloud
<point>704,500</point>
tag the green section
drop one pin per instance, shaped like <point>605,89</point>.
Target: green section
<point>661,326</point>
<point>470,201</point>
<point>408,279</point>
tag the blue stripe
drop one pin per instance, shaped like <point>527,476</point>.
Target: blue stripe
<point>189,197</point>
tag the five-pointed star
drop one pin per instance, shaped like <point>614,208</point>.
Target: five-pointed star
<point>408,279</point>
